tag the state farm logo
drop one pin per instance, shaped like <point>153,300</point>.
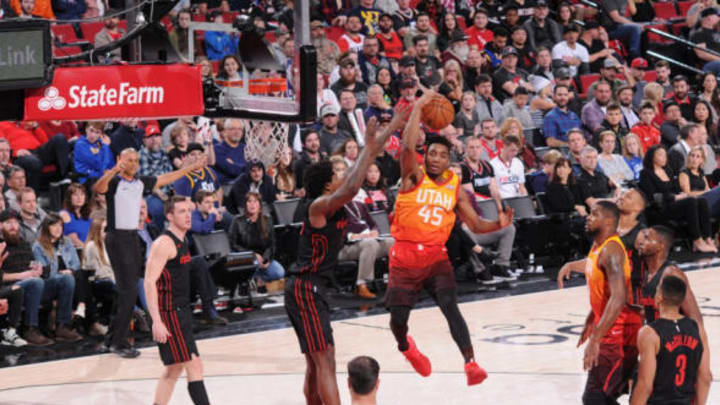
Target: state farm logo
<point>52,100</point>
<point>104,96</point>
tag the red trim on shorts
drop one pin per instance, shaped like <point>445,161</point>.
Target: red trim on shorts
<point>181,341</point>
<point>316,318</point>
<point>173,350</point>
<point>303,315</point>
<point>610,374</point>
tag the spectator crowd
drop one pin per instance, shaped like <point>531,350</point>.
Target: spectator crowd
<point>555,103</point>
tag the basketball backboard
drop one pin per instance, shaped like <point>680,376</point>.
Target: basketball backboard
<point>271,87</point>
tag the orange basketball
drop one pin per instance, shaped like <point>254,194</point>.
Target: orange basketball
<point>438,113</point>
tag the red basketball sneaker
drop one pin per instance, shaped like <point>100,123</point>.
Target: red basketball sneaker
<point>419,361</point>
<point>475,374</point>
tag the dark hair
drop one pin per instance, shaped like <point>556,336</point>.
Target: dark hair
<point>648,105</point>
<point>662,63</point>
<point>221,69</point>
<point>685,131</point>
<point>562,162</point>
<point>67,203</point>
<point>518,28</point>
<point>421,14</point>
<point>203,194</point>
<point>44,238</point>
<point>481,10</point>
<point>439,140</point>
<point>483,78</point>
<point>317,177</point>
<point>382,182</point>
<point>172,201</point>
<point>418,38</point>
<point>643,197</point>
<point>262,221</point>
<point>611,209</point>
<point>666,234</point>
<point>377,73</point>
<point>650,156</point>
<point>519,91</point>
<point>500,32</point>
<point>680,78</point>
<point>673,290</point>
<point>306,132</point>
<point>363,374</point>
<point>613,107</point>
<point>512,140</point>
<point>709,121</point>
<point>561,86</point>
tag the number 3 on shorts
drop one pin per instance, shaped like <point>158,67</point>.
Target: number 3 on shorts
<point>433,217</point>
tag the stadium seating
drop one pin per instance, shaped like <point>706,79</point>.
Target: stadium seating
<point>665,10</point>
<point>90,29</point>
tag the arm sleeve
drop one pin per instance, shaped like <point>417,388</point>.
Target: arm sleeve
<point>200,225</point>
<point>549,128</point>
<point>82,159</point>
<point>269,251</point>
<point>227,164</point>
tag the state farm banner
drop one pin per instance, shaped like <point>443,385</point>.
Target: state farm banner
<point>119,91</point>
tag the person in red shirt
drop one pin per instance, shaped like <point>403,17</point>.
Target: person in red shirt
<point>392,45</point>
<point>67,128</point>
<point>479,34</point>
<point>645,130</point>
<point>32,150</point>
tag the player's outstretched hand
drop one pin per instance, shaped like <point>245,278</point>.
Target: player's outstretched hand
<point>160,332</point>
<point>563,274</point>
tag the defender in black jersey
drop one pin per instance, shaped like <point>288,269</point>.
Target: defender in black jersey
<point>167,287</point>
<point>653,245</point>
<point>674,365</point>
<point>321,239</point>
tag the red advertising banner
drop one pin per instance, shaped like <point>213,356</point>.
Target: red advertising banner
<point>118,91</point>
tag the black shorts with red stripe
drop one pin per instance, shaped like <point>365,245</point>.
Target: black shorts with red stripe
<point>180,346</point>
<point>309,313</point>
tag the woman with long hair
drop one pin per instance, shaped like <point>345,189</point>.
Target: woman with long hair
<point>654,93</point>
<point>656,179</point>
<point>632,151</point>
<point>710,92</point>
<point>76,214</point>
<point>349,151</point>
<point>561,193</point>
<point>383,78</point>
<point>97,202</point>
<point>702,114</point>
<point>613,165</point>
<point>375,186</point>
<point>59,261</point>
<point>228,74</point>
<point>283,175</point>
<point>452,85</point>
<point>254,231</point>
<point>513,126</point>
<point>447,28</point>
<point>565,14</point>
<point>102,286</point>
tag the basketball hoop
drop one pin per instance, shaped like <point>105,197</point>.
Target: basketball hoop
<point>265,141</point>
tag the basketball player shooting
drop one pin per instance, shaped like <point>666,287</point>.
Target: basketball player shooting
<point>611,353</point>
<point>674,361</point>
<point>167,287</point>
<point>321,238</point>
<point>424,216</point>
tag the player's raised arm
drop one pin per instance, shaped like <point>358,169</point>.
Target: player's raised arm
<point>473,220</point>
<point>323,207</point>
<point>611,260</point>
<point>158,256</point>
<point>409,167</point>
<point>648,344</point>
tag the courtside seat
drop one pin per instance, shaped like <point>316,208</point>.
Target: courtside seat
<point>684,7</point>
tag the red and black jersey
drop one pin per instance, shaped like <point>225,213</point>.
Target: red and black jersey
<point>174,282</point>
<point>677,361</point>
<point>319,247</point>
<point>649,288</point>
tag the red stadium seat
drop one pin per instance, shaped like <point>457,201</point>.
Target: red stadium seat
<point>650,76</point>
<point>64,33</point>
<point>60,51</point>
<point>199,18</point>
<point>215,65</point>
<point>618,47</point>
<point>665,11</point>
<point>684,7</point>
<point>167,22</point>
<point>334,33</point>
<point>90,29</point>
<point>586,81</point>
<point>655,38</point>
<point>230,17</point>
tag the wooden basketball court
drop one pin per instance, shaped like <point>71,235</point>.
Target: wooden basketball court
<point>526,343</point>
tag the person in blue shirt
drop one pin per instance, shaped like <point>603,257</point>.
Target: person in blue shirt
<point>206,216</point>
<point>559,120</point>
<point>76,214</point>
<point>230,153</point>
<point>219,44</point>
<point>92,153</point>
<point>633,153</point>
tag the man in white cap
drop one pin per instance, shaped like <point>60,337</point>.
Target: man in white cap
<point>331,137</point>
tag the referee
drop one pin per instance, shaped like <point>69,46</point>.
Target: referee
<point>124,190</point>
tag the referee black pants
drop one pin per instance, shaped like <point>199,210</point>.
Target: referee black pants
<point>123,248</point>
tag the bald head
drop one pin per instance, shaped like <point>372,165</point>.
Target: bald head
<point>631,202</point>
